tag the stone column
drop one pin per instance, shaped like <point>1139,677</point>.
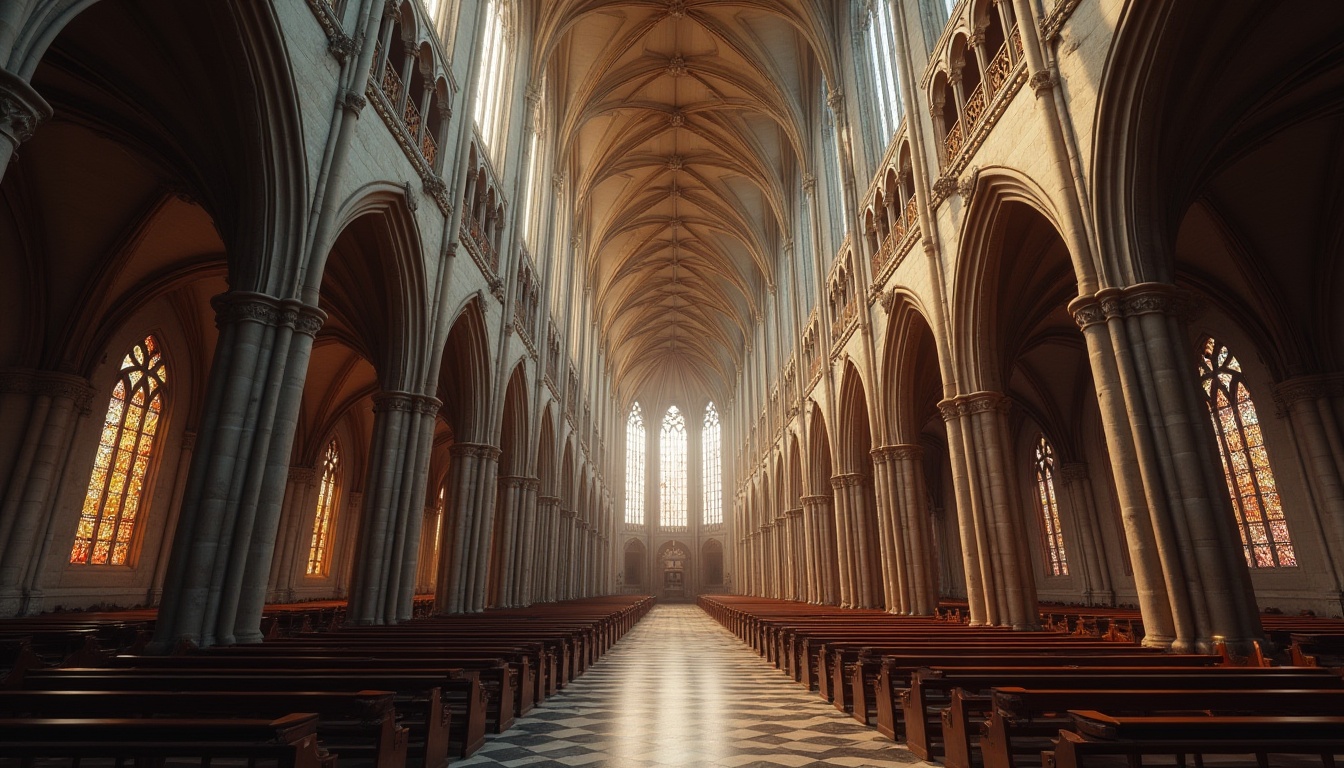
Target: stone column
<point>824,549</point>
<point>39,411</point>
<point>1184,531</point>
<point>383,580</point>
<point>215,587</point>
<point>791,564</point>
<point>548,514</point>
<point>844,544</point>
<point>1314,406</point>
<point>526,544</point>
<point>298,508</point>
<point>22,109</point>
<point>503,545</point>
<point>458,554</point>
<point>1082,506</point>
<point>998,562</point>
<point>910,576</point>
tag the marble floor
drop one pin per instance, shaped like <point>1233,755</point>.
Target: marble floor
<point>679,690</point>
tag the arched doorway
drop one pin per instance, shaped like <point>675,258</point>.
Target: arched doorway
<point>672,570</point>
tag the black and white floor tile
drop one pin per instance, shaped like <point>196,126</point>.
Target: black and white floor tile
<point>680,690</point>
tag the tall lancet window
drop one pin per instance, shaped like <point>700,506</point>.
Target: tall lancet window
<point>634,467</point>
<point>1045,493</point>
<point>713,468</point>
<point>319,552</point>
<point>491,114</point>
<point>1241,446</point>
<point>882,68</point>
<point>672,487</point>
<point>117,483</point>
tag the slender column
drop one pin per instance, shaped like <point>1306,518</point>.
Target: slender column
<point>424,571</point>
<point>38,414</point>
<point>828,563</point>
<point>1198,550</point>
<point>383,582</point>
<point>504,542</point>
<point>906,464</point>
<point>1096,573</point>
<point>525,544</point>
<point>843,542</point>
<point>891,536</point>
<point>215,586</point>
<point>297,509</point>
<point>22,109</point>
<point>982,453</point>
<point>791,564</point>
<point>548,512</point>
<point>811,569</point>
<point>1314,405</point>
<point>461,579</point>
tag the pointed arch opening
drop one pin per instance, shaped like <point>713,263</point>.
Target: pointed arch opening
<point>634,466</point>
<point>672,480</point>
<point>319,549</point>
<point>711,448</point>
<point>1043,470</point>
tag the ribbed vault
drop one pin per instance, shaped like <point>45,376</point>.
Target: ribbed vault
<point>683,128</point>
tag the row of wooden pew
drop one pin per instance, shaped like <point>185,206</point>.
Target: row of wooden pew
<point>416,693</point>
<point>993,697</point>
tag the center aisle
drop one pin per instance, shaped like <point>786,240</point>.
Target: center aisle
<point>679,690</point>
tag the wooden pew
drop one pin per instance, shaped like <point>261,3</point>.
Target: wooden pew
<point>931,711</point>
<point>360,725</point>
<point>422,699</point>
<point>1022,721</point>
<point>1098,735</point>
<point>291,741</point>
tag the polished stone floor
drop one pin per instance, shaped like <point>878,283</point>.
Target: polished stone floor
<point>680,690</point>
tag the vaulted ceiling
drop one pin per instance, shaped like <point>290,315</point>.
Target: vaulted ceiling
<point>683,127</point>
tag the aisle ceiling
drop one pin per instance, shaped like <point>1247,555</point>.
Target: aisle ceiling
<point>682,127</point>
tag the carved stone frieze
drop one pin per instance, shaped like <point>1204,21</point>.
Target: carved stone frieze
<point>49,384</point>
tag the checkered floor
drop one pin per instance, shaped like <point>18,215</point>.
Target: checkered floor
<point>680,690</point>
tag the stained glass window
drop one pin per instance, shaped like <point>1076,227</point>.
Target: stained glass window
<point>1045,492</point>
<point>320,550</point>
<point>672,488</point>
<point>1245,459</point>
<point>882,69</point>
<point>117,483</point>
<point>496,63</point>
<point>713,468</point>
<point>634,467</point>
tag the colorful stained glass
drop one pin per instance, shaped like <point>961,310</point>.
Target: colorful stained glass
<point>320,550</point>
<point>1049,505</point>
<point>710,437</point>
<point>634,467</point>
<point>1245,459</point>
<point>672,486</point>
<point>117,480</point>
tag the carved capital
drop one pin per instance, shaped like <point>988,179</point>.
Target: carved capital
<point>847,480</point>
<point>810,183</point>
<point>1086,311</point>
<point>945,186</point>
<point>1073,471</point>
<point>1308,389</point>
<point>977,402</point>
<point>303,475</point>
<point>393,401</point>
<point>1150,298</point>
<point>340,46</point>
<point>48,384</point>
<point>21,108</point>
<point>966,186</point>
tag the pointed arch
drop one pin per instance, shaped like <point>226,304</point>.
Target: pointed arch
<point>329,486</point>
<point>1043,472</point>
<point>464,375</point>
<point>711,439</point>
<point>672,481</point>
<point>635,477</point>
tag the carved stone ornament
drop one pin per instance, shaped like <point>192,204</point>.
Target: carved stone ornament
<point>816,501</point>
<point>340,46</point>
<point>675,162</point>
<point>49,384</point>
<point>1043,81</point>
<point>412,200</point>
<point>966,186</point>
<point>1086,311</point>
<point>809,183</point>
<point>393,401</point>
<point>558,181</point>
<point>676,67</point>
<point>302,475</point>
<point>888,299</point>
<point>351,102</point>
<point>427,405</point>
<point>835,99</point>
<point>1308,389</point>
<point>677,119</point>
<point>945,186</point>
<point>242,306</point>
<point>21,108</point>
<point>676,9</point>
<point>1073,471</point>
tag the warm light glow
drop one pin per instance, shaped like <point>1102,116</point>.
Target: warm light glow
<point>1241,446</point>
<point>713,469</point>
<point>882,68</point>
<point>1049,507</point>
<point>318,553</point>
<point>496,63</point>
<point>117,483</point>
<point>634,467</point>
<point>672,487</point>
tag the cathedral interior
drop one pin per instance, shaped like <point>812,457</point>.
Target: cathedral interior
<point>967,309</point>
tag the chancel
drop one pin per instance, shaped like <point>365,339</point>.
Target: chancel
<point>561,382</point>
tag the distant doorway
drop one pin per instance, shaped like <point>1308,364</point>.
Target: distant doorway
<point>672,562</point>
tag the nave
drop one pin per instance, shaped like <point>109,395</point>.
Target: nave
<point>679,690</point>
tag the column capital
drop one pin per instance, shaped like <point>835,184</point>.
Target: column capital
<point>1308,388</point>
<point>815,500</point>
<point>246,306</point>
<point>303,475</point>
<point>52,384</point>
<point>22,109</point>
<point>475,450</point>
<point>898,452</point>
<point>976,402</point>
<point>512,481</point>
<point>1073,471</point>
<point>847,480</point>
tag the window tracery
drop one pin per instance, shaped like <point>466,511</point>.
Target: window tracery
<point>117,482</point>
<point>634,467</point>
<point>320,549</point>
<point>1245,459</point>
<point>713,468</point>
<point>1049,507</point>
<point>672,450</point>
<point>881,40</point>
<point>496,64</point>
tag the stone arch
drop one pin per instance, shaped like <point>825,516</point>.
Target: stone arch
<point>464,385</point>
<point>636,564</point>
